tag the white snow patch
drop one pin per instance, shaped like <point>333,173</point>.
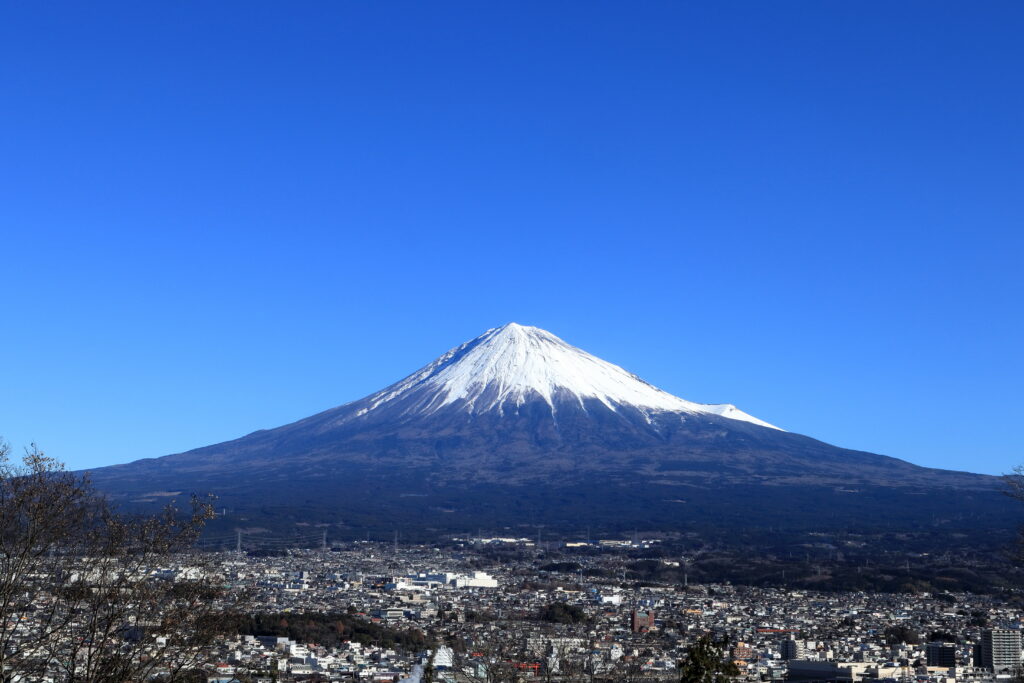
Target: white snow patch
<point>514,363</point>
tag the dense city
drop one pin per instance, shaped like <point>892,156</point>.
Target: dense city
<point>383,612</point>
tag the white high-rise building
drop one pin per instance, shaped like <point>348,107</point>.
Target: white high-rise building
<point>1001,649</point>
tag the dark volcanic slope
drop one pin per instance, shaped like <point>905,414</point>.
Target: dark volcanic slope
<point>517,427</point>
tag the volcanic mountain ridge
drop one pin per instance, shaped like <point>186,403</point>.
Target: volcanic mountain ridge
<point>518,427</point>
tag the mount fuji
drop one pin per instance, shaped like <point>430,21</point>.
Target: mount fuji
<point>516,427</point>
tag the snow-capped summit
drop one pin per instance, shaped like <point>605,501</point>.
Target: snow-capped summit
<point>508,366</point>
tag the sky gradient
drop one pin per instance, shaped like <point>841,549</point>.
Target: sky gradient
<point>222,217</point>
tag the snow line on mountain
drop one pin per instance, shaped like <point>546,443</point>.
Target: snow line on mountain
<point>513,364</point>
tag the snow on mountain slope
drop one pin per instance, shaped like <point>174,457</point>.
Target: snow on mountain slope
<point>510,365</point>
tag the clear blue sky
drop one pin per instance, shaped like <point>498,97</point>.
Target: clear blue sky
<point>217,217</point>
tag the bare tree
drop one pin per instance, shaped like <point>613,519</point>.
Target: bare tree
<point>629,669</point>
<point>90,594</point>
<point>491,658</point>
<point>566,662</point>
